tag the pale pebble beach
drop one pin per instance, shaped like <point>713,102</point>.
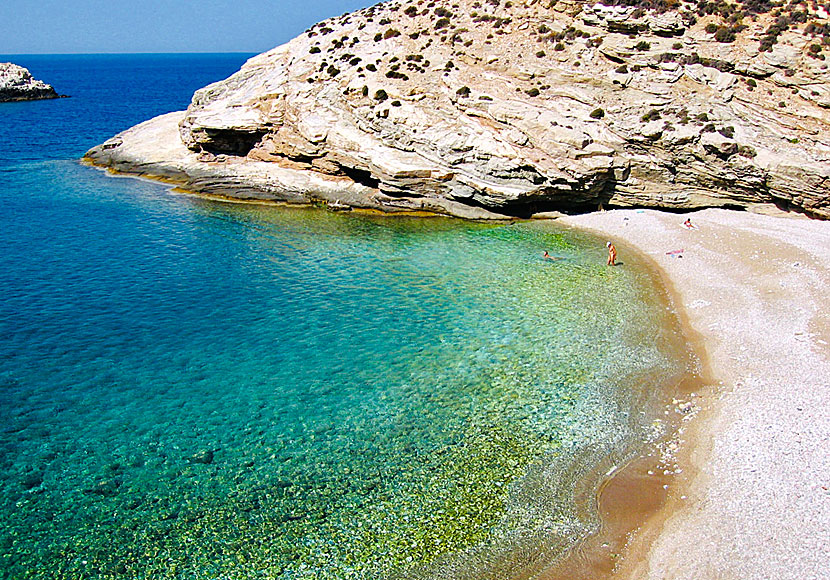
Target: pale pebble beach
<point>753,498</point>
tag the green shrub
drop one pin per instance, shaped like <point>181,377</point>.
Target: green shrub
<point>391,33</point>
<point>380,95</point>
<point>534,92</point>
<point>622,69</point>
<point>463,92</point>
<point>642,45</point>
<point>597,114</point>
<point>540,54</point>
<point>442,23</point>
<point>314,49</point>
<point>652,115</point>
<point>724,34</point>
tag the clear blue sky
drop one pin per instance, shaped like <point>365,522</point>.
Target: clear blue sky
<point>93,26</point>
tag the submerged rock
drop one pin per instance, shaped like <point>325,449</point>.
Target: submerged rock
<point>17,84</point>
<point>491,109</point>
<point>205,456</point>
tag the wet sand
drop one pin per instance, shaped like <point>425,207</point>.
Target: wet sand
<point>752,497</point>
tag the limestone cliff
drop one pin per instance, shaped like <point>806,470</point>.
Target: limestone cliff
<point>491,108</point>
<point>17,84</point>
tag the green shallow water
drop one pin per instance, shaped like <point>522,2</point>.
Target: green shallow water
<point>202,390</point>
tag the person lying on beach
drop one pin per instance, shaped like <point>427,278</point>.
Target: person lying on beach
<point>612,254</point>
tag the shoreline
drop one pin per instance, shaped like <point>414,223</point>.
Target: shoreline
<point>589,558</point>
<point>636,491</point>
<point>752,500</point>
<point>673,538</point>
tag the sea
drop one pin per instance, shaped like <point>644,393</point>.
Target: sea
<point>194,389</point>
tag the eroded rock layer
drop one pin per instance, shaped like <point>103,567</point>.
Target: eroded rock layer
<point>486,109</point>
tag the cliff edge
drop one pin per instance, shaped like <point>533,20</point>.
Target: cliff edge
<point>496,108</point>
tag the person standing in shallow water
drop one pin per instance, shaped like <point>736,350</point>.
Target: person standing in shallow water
<point>612,254</point>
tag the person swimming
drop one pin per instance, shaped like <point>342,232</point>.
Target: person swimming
<point>549,257</point>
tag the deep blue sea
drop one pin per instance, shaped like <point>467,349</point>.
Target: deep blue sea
<point>200,390</point>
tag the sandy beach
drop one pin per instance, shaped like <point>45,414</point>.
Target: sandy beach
<point>752,500</point>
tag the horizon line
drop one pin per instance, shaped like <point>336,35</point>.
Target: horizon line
<point>129,53</point>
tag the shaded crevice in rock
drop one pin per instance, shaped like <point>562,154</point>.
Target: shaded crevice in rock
<point>361,176</point>
<point>229,141</point>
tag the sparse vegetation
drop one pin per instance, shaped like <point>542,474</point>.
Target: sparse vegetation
<point>652,115</point>
<point>747,151</point>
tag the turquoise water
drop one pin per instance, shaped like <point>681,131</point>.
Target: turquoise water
<point>193,389</point>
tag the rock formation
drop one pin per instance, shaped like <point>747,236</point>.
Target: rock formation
<point>496,108</point>
<point>17,84</point>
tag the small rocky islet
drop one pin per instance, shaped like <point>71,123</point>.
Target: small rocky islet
<point>18,84</point>
<point>515,108</point>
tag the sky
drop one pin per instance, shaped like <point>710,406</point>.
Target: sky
<point>118,26</point>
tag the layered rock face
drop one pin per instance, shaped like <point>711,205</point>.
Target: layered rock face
<point>495,108</point>
<point>17,84</point>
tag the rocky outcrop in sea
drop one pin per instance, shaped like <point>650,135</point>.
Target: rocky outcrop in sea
<point>496,108</point>
<point>17,84</point>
